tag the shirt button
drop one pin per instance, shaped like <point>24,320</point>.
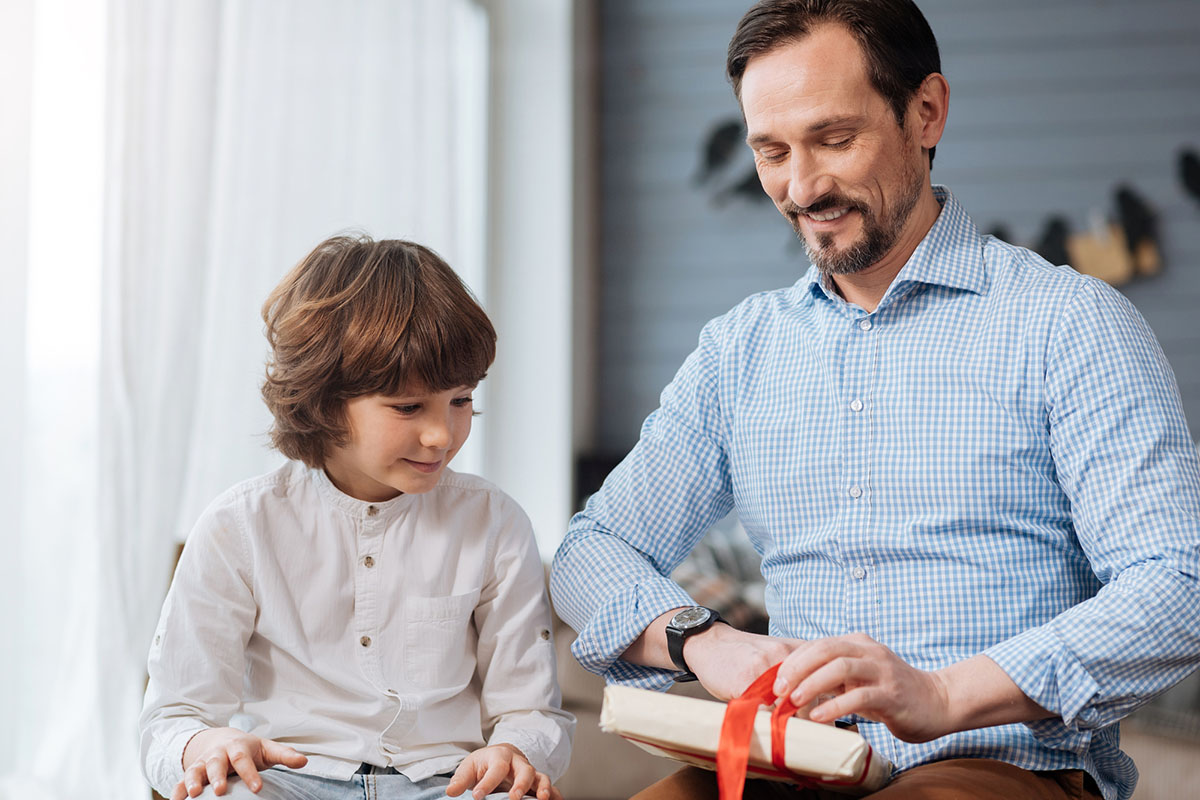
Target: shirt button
<point>855,492</point>
<point>365,641</point>
<point>856,405</point>
<point>368,561</point>
<point>859,573</point>
<point>864,324</point>
<point>372,511</point>
<point>545,635</point>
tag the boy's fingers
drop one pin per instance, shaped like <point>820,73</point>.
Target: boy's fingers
<point>523,777</point>
<point>193,779</point>
<point>275,753</point>
<point>496,772</point>
<point>462,778</point>
<point>215,769</point>
<point>180,792</point>
<point>246,769</point>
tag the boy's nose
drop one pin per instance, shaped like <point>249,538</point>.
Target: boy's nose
<point>436,435</point>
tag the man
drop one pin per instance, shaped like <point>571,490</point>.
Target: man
<point>967,470</point>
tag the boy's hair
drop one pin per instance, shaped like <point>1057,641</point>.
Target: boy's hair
<point>359,317</point>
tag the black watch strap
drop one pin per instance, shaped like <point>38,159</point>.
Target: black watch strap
<point>678,634</point>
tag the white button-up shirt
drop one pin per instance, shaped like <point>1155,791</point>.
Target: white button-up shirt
<point>406,633</point>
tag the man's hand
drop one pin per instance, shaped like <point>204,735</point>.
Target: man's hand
<point>214,753</point>
<point>503,766</point>
<point>868,679</point>
<point>726,660</point>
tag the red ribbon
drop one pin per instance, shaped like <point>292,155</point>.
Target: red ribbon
<point>733,750</point>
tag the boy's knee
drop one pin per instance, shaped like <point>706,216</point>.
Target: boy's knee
<point>236,789</point>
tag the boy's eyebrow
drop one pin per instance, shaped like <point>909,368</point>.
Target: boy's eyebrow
<point>845,120</point>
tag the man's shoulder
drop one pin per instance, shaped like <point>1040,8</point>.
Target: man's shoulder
<point>762,310</point>
<point>1011,265</point>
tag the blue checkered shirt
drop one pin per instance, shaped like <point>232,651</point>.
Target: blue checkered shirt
<point>995,461</point>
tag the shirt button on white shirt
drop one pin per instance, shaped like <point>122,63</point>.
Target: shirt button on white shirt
<point>372,511</point>
<point>855,492</point>
<point>856,405</point>
<point>368,562</point>
<point>865,324</point>
<point>365,641</point>
<point>859,573</point>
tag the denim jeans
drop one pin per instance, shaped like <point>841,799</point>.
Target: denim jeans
<point>278,784</point>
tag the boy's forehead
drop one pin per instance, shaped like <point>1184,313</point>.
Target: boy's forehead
<point>420,389</point>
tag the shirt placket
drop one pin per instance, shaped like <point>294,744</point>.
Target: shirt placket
<point>367,593</point>
<point>857,417</point>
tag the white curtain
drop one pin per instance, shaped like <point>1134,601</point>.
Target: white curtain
<point>236,135</point>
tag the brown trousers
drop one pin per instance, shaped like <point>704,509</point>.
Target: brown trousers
<point>954,779</point>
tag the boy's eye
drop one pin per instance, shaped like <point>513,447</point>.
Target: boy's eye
<point>462,401</point>
<point>410,408</point>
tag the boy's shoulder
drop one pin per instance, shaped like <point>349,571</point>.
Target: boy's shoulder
<point>277,484</point>
<point>457,488</point>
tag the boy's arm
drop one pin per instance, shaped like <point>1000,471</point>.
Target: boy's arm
<point>197,657</point>
<point>520,698</point>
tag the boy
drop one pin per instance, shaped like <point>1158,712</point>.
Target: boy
<point>374,624</point>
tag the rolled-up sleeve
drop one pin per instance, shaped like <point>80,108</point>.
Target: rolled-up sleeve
<point>1127,463</point>
<point>610,575</point>
<point>520,702</point>
<point>197,657</point>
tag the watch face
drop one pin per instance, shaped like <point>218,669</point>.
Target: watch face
<point>691,617</point>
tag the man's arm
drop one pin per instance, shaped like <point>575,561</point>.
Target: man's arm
<point>610,575</point>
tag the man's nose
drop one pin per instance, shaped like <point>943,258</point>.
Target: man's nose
<point>808,182</point>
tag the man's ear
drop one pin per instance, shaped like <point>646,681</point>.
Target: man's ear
<point>929,107</point>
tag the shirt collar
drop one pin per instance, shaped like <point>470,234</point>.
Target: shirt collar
<point>951,254</point>
<point>352,505</point>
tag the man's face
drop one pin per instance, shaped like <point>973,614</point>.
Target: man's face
<point>829,151</point>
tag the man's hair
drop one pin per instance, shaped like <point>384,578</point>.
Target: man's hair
<point>899,46</point>
<point>359,317</point>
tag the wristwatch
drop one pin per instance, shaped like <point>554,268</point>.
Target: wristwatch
<point>687,622</point>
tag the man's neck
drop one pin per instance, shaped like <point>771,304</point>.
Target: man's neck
<point>867,287</point>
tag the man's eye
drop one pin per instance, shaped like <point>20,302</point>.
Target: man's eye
<point>840,144</point>
<point>772,158</point>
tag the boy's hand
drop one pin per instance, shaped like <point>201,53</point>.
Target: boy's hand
<point>212,754</point>
<point>500,765</point>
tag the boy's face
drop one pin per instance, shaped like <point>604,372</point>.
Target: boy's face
<point>400,444</point>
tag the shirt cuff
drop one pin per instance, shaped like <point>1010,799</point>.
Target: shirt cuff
<point>618,623</point>
<point>548,750</point>
<point>1045,669</point>
<point>164,764</point>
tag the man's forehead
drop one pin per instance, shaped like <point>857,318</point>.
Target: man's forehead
<point>823,74</point>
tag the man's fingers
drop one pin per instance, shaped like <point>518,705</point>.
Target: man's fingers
<point>834,677</point>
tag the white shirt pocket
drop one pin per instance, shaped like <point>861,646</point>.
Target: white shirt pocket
<point>439,639</point>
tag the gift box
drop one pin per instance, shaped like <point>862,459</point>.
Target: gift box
<point>688,730</point>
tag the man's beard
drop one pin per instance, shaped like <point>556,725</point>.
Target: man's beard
<point>878,237</point>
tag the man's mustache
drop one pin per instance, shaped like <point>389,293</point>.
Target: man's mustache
<point>793,211</point>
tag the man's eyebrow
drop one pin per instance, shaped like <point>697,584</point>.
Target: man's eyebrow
<point>846,120</point>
